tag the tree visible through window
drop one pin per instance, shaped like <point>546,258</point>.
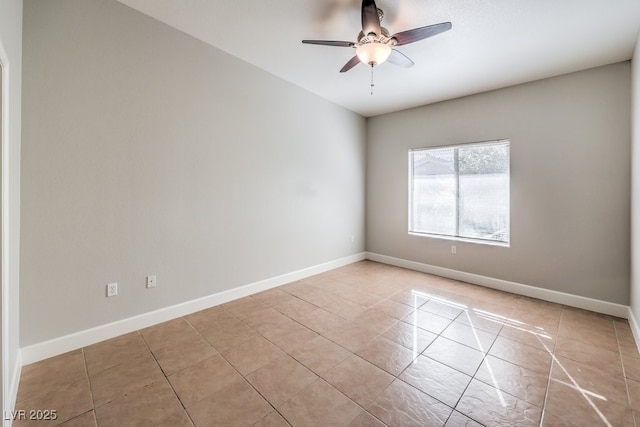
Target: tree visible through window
<point>460,191</point>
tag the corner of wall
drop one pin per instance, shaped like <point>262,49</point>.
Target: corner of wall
<point>634,289</point>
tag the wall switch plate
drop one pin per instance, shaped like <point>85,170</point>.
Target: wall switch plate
<point>151,281</point>
<point>112,289</point>
<point>453,249</point>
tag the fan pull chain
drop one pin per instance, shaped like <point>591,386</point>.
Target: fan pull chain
<point>372,85</point>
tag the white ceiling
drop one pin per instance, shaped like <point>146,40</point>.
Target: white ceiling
<point>493,43</point>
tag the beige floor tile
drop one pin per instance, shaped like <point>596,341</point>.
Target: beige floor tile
<point>110,353</point>
<point>538,313</point>
<point>177,356</point>
<point>88,419</point>
<point>410,336</point>
<point>590,380</point>
<point>529,335</point>
<point>392,308</point>
<point>628,347</point>
<point>173,332</point>
<point>491,406</point>
<point>634,393</point>
<point>470,336</point>
<point>313,295</point>
<point>290,336</point>
<point>273,419</point>
<point>582,407</point>
<point>243,307</point>
<point>51,374</point>
<point>339,306</point>
<point>273,297</point>
<point>351,336</point>
<point>589,355</point>
<point>206,319</point>
<point>403,405</point>
<point>381,289</point>
<point>375,320</point>
<point>455,355</point>
<point>518,381</point>
<point>237,404</point>
<point>590,328</point>
<point>299,286</point>
<point>265,320</point>
<point>320,320</point>
<point>66,402</point>
<point>203,379</point>
<point>387,355</point>
<point>543,321</point>
<point>359,380</point>
<point>320,355</point>
<point>522,354</point>
<point>491,308</point>
<point>115,382</point>
<point>483,320</point>
<point>631,367</point>
<point>442,307</point>
<point>410,298</point>
<point>320,405</point>
<point>365,419</point>
<point>358,296</point>
<point>155,404</point>
<point>428,321</point>
<point>458,420</point>
<point>436,379</point>
<point>281,379</point>
<point>626,342</point>
<point>550,420</point>
<point>295,308</point>
<point>252,354</point>
<point>228,333</point>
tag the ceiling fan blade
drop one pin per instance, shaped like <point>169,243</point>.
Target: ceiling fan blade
<point>349,65</point>
<point>330,43</point>
<point>370,17</point>
<point>410,36</point>
<point>400,59</point>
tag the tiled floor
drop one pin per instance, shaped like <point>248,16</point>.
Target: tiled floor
<point>363,345</point>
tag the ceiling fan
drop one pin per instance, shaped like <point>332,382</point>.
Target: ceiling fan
<point>375,45</point>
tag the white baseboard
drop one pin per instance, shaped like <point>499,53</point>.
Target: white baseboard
<point>577,301</point>
<point>53,347</point>
<point>635,328</point>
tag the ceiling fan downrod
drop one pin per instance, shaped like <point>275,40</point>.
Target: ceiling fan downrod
<point>372,85</point>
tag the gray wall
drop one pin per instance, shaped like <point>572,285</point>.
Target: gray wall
<point>570,181</point>
<point>11,43</point>
<point>635,182</point>
<point>146,151</point>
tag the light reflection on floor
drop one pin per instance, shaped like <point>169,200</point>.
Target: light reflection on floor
<point>538,332</point>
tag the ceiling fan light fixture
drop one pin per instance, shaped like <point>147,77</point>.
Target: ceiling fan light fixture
<point>373,53</point>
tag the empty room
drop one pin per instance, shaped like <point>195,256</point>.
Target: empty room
<point>320,213</point>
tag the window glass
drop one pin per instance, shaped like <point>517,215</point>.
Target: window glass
<point>461,191</point>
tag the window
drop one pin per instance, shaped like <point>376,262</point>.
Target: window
<point>460,191</point>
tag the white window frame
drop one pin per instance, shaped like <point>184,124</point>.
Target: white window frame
<point>457,237</point>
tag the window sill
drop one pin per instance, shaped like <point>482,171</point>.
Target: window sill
<point>461,239</point>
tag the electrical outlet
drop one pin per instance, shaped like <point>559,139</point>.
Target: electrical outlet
<point>453,249</point>
<point>151,281</point>
<point>112,289</point>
